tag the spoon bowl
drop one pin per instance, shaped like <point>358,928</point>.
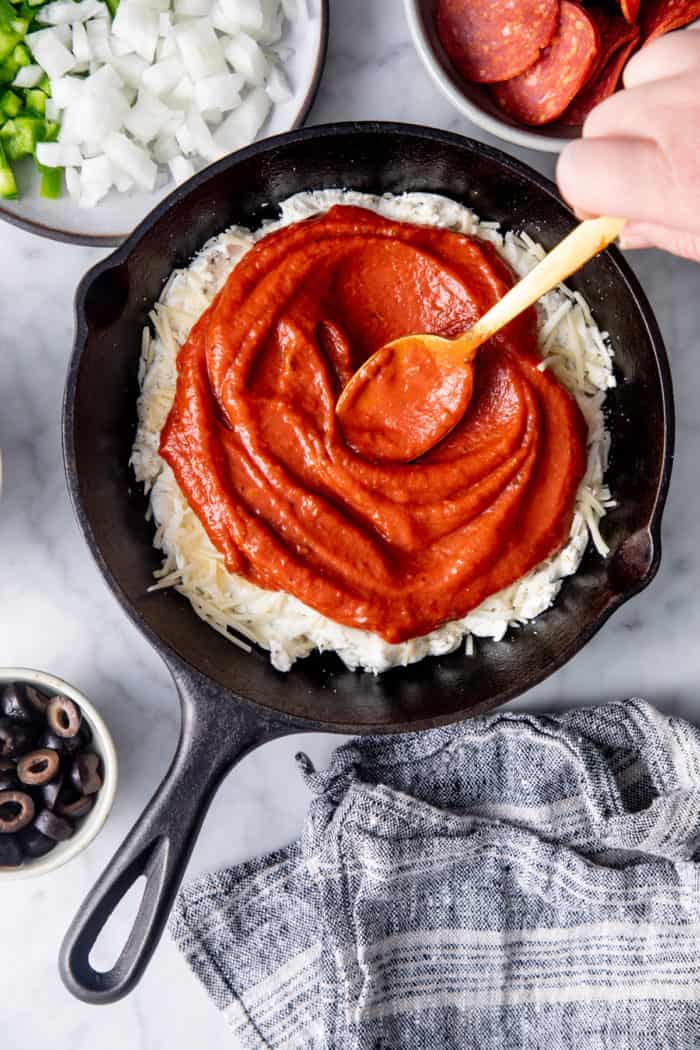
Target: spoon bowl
<point>413,391</point>
<point>406,397</point>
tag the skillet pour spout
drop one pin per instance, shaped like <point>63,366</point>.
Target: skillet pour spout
<point>234,701</point>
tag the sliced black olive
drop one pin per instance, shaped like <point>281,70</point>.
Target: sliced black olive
<point>9,781</point>
<point>16,811</point>
<point>63,716</point>
<point>37,699</point>
<point>85,772</point>
<point>34,843</point>
<point>66,745</point>
<point>15,703</point>
<point>49,792</point>
<point>57,828</point>
<point>85,733</point>
<point>10,852</point>
<point>38,767</point>
<point>16,737</point>
<point>77,807</point>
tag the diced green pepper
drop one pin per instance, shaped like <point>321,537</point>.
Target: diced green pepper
<point>51,183</point>
<point>35,102</point>
<point>13,63</point>
<point>12,29</point>
<point>10,103</point>
<point>21,136</point>
<point>29,13</point>
<point>8,70</point>
<point>10,36</point>
<point>45,85</point>
<point>8,186</point>
<point>112,5</point>
<point>22,55</point>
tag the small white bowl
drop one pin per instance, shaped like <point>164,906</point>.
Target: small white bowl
<point>102,743</point>
<point>113,219</point>
<point>474,100</point>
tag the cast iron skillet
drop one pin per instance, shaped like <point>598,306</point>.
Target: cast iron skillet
<point>231,701</point>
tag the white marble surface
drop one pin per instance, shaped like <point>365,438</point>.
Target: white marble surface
<point>56,614</point>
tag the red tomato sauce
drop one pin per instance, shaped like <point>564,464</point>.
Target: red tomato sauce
<point>253,438</point>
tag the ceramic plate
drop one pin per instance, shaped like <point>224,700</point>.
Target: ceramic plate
<point>116,216</point>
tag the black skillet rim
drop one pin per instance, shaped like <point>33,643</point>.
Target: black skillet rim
<point>172,658</point>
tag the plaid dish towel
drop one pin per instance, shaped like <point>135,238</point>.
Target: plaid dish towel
<point>512,882</point>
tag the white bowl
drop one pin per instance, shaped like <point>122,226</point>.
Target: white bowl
<point>102,743</point>
<point>113,219</point>
<point>474,100</point>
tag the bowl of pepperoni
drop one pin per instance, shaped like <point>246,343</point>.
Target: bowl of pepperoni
<point>530,71</point>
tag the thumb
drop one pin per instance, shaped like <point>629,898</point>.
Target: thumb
<point>649,235</point>
<point>625,177</point>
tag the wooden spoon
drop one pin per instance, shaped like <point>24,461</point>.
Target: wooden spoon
<point>413,391</point>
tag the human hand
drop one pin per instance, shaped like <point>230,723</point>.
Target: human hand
<point>639,158</point>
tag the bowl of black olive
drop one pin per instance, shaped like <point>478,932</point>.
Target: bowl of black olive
<point>58,772</point>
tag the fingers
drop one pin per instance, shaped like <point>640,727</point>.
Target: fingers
<point>669,56</point>
<point>623,177</point>
<point>650,110</point>
<point>639,157</point>
<point>679,242</point>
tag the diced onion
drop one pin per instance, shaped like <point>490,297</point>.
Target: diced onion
<point>68,11</point>
<point>96,178</point>
<point>242,125</point>
<point>165,148</point>
<point>66,90</point>
<point>131,68</point>
<point>73,183</point>
<point>28,76</point>
<point>277,87</point>
<point>200,48</point>
<point>193,8</point>
<point>218,93</point>
<point>53,56</point>
<point>181,168</point>
<point>99,40</point>
<point>81,44</point>
<point>58,155</point>
<point>137,26</point>
<point>247,58</point>
<point>148,117</point>
<point>132,159</point>
<point>162,77</point>
<point>184,92</point>
<point>165,83</point>
<point>123,182</point>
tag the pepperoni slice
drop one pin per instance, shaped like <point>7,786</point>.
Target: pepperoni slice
<point>489,40</point>
<point>545,90</point>
<point>630,9</point>
<point>662,16</point>
<point>604,80</point>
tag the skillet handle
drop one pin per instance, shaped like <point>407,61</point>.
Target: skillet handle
<point>216,732</point>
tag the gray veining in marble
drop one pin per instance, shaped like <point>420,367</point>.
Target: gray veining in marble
<point>57,614</point>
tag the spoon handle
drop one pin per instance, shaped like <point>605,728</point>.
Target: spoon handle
<point>585,241</point>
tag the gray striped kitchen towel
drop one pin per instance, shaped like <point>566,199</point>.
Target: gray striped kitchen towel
<point>515,881</point>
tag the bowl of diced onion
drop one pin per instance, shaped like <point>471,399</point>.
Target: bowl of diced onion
<point>107,105</point>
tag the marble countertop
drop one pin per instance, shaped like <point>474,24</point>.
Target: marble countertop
<point>57,614</point>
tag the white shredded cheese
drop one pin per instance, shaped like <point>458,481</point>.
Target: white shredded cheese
<point>572,346</point>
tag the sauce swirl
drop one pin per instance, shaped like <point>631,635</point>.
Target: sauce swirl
<point>253,439</point>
